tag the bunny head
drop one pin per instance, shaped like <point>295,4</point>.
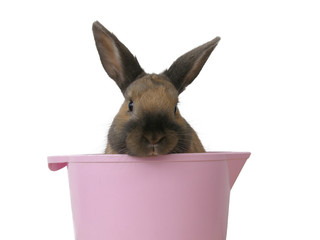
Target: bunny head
<point>149,122</point>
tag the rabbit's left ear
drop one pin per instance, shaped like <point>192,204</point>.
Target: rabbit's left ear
<point>115,57</point>
<point>186,68</point>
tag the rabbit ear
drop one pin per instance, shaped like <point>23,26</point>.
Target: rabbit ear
<point>116,59</point>
<point>187,67</point>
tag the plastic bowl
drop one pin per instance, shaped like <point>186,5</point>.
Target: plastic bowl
<point>171,197</point>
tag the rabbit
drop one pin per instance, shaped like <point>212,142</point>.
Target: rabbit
<point>149,122</point>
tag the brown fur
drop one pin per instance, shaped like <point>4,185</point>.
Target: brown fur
<point>149,122</point>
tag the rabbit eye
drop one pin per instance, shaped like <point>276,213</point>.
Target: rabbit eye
<point>175,109</point>
<point>130,106</point>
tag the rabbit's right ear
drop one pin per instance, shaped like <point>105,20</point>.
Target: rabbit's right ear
<point>116,59</point>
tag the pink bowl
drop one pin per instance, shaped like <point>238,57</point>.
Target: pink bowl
<point>171,197</point>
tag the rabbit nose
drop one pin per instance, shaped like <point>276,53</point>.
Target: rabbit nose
<point>154,138</point>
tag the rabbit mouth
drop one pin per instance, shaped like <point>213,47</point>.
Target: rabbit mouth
<point>154,151</point>
<point>150,135</point>
<point>151,144</point>
<point>155,141</point>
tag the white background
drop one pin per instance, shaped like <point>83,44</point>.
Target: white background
<point>258,92</point>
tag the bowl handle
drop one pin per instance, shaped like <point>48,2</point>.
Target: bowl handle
<point>57,162</point>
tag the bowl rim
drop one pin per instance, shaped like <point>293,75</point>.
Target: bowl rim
<point>123,158</point>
